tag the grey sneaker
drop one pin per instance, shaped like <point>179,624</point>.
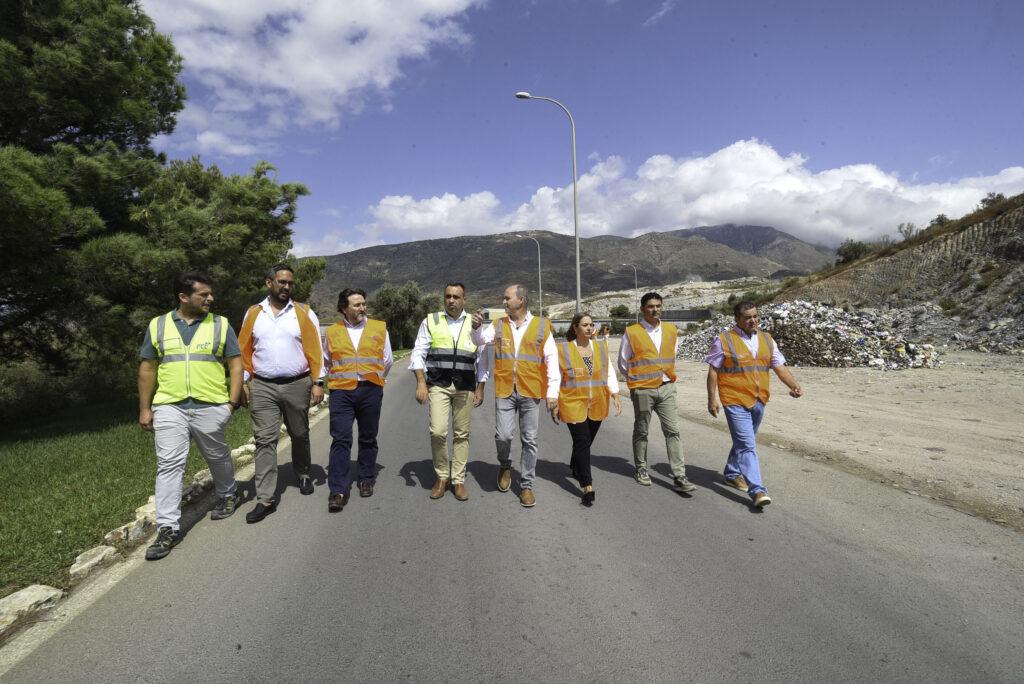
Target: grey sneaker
<point>681,484</point>
<point>225,507</point>
<point>166,539</point>
<point>642,477</point>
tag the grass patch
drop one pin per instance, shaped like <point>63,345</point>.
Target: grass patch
<point>68,479</point>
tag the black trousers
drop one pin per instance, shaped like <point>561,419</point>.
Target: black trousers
<point>582,437</point>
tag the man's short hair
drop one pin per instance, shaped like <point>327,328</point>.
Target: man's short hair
<point>186,282</point>
<point>458,285</point>
<point>648,297</point>
<point>740,307</point>
<point>346,293</point>
<point>272,273</point>
<point>523,293</point>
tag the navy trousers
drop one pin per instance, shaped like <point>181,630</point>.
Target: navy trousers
<point>362,406</point>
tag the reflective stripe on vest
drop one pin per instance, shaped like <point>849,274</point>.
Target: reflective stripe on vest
<point>648,364</point>
<point>348,365</point>
<point>195,371</point>
<point>743,377</point>
<point>444,353</point>
<point>583,394</point>
<point>523,368</point>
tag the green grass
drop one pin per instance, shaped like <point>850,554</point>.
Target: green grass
<point>68,479</point>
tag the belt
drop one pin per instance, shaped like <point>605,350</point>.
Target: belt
<point>282,381</point>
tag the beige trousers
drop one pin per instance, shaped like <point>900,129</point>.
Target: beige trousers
<point>448,404</point>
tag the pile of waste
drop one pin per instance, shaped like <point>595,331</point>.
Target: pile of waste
<point>811,334</point>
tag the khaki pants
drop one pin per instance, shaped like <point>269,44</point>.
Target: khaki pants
<point>662,401</point>
<point>449,404</point>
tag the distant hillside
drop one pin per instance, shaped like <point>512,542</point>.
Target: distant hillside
<point>488,263</point>
<point>800,257</point>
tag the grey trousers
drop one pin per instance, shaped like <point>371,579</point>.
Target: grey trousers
<point>660,400</point>
<point>267,403</point>
<point>173,428</point>
<point>505,411</point>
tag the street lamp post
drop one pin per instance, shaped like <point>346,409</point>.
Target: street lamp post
<point>635,287</point>
<point>540,292</point>
<point>575,203</point>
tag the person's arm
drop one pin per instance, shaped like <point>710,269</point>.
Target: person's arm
<point>795,390</point>
<point>147,386</point>
<point>483,370</point>
<point>613,388</point>
<point>713,406</point>
<point>235,374</point>
<point>554,374</point>
<point>418,360</point>
<point>625,354</point>
<point>389,359</point>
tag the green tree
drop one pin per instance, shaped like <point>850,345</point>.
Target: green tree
<point>403,308</point>
<point>991,199</point>
<point>85,71</point>
<point>850,250</point>
<point>940,220</point>
<point>620,311</point>
<point>907,230</point>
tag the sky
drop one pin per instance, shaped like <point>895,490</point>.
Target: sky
<point>827,120</point>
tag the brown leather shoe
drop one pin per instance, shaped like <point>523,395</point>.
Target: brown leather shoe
<point>336,502</point>
<point>738,482</point>
<point>504,479</point>
<point>365,488</point>
<point>527,499</point>
<point>761,499</point>
<point>459,490</point>
<point>438,491</point>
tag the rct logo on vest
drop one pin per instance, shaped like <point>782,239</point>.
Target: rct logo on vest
<point>204,346</point>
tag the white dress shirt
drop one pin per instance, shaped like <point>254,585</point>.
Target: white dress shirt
<point>355,333</point>
<point>485,335</point>
<point>418,358</point>
<point>277,343</point>
<point>626,350</point>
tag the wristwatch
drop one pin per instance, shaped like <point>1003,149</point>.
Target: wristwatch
<point>234,404</point>
<point>319,383</point>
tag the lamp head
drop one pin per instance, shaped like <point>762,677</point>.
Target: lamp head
<point>523,95</point>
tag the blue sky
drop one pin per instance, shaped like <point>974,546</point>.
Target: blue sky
<point>824,119</point>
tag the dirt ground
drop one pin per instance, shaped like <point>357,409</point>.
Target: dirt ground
<point>954,433</point>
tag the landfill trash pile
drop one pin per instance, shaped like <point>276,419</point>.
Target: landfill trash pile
<point>811,334</point>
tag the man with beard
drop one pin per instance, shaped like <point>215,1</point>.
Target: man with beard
<point>283,359</point>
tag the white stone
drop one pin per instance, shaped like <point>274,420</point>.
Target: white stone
<point>203,478</point>
<point>244,449</point>
<point>23,603</point>
<point>140,529</point>
<point>146,513</point>
<point>88,561</point>
<point>118,535</point>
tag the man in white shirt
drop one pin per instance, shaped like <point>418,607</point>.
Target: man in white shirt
<point>647,357</point>
<point>525,373</point>
<point>283,358</point>
<point>451,372</point>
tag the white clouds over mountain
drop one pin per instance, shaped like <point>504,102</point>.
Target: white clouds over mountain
<point>746,182</point>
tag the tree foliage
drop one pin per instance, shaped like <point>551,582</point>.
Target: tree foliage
<point>991,199</point>
<point>620,311</point>
<point>403,308</point>
<point>907,230</point>
<point>850,250</point>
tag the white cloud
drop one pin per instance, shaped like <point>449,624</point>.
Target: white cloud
<point>665,8</point>
<point>747,182</point>
<point>278,63</point>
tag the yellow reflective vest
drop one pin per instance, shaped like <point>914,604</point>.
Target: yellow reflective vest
<point>196,370</point>
<point>450,361</point>
<point>583,394</point>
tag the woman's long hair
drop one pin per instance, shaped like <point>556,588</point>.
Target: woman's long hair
<point>571,335</point>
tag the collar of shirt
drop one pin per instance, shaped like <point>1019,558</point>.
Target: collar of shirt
<point>451,320</point>
<point>526,321</point>
<point>648,327</point>
<point>742,333</point>
<point>265,305</point>
<point>361,325</point>
<point>195,321</point>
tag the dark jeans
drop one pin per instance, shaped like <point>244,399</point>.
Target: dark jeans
<point>361,405</point>
<point>582,437</point>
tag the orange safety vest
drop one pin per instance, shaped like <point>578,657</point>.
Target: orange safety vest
<point>583,394</point>
<point>310,338</point>
<point>349,367</point>
<point>743,378</point>
<point>522,369</point>
<point>648,364</point>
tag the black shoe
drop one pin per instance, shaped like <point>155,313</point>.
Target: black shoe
<point>305,484</point>
<point>337,502</point>
<point>588,498</point>
<point>166,539</point>
<point>225,508</point>
<point>260,512</point>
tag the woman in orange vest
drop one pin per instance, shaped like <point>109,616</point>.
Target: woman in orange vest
<point>587,383</point>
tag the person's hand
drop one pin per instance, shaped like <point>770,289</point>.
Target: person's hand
<point>244,399</point>
<point>714,407</point>
<point>553,409</point>
<point>316,395</point>
<point>421,392</point>
<point>478,398</point>
<point>796,392</point>
<point>618,404</point>
<point>146,419</point>
<point>478,318</point>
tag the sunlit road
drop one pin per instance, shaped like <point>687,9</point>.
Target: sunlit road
<point>838,580</point>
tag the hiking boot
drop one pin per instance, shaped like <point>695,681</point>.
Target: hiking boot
<point>225,508</point>
<point>166,539</point>
<point>642,477</point>
<point>681,484</point>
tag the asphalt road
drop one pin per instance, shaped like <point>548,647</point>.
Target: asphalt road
<point>838,580</point>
